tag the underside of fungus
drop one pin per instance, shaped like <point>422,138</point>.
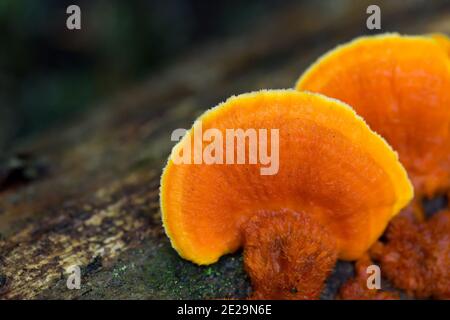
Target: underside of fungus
<point>401,86</point>
<point>337,187</point>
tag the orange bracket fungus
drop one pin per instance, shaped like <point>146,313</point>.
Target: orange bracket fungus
<point>337,187</point>
<point>401,86</point>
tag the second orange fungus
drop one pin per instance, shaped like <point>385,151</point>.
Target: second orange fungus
<point>401,86</point>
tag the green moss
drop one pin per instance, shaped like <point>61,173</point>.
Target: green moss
<point>173,277</point>
<point>155,271</point>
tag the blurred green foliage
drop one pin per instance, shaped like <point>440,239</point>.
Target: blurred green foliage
<point>49,74</point>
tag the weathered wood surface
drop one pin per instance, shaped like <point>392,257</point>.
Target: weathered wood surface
<point>87,192</point>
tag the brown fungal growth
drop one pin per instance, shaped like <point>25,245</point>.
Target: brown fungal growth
<point>400,86</point>
<point>416,256</point>
<point>277,245</point>
<point>337,187</point>
<point>357,289</point>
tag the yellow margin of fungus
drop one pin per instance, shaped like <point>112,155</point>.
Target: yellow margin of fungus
<point>439,39</point>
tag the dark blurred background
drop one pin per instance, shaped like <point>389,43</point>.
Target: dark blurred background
<point>48,73</point>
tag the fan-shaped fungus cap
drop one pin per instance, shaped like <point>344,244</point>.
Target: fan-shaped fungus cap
<point>400,86</point>
<point>337,186</point>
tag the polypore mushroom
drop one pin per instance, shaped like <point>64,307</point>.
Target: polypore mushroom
<point>401,86</point>
<point>337,186</point>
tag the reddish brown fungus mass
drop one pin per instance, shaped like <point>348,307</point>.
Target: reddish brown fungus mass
<point>356,288</point>
<point>287,255</point>
<point>416,257</point>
